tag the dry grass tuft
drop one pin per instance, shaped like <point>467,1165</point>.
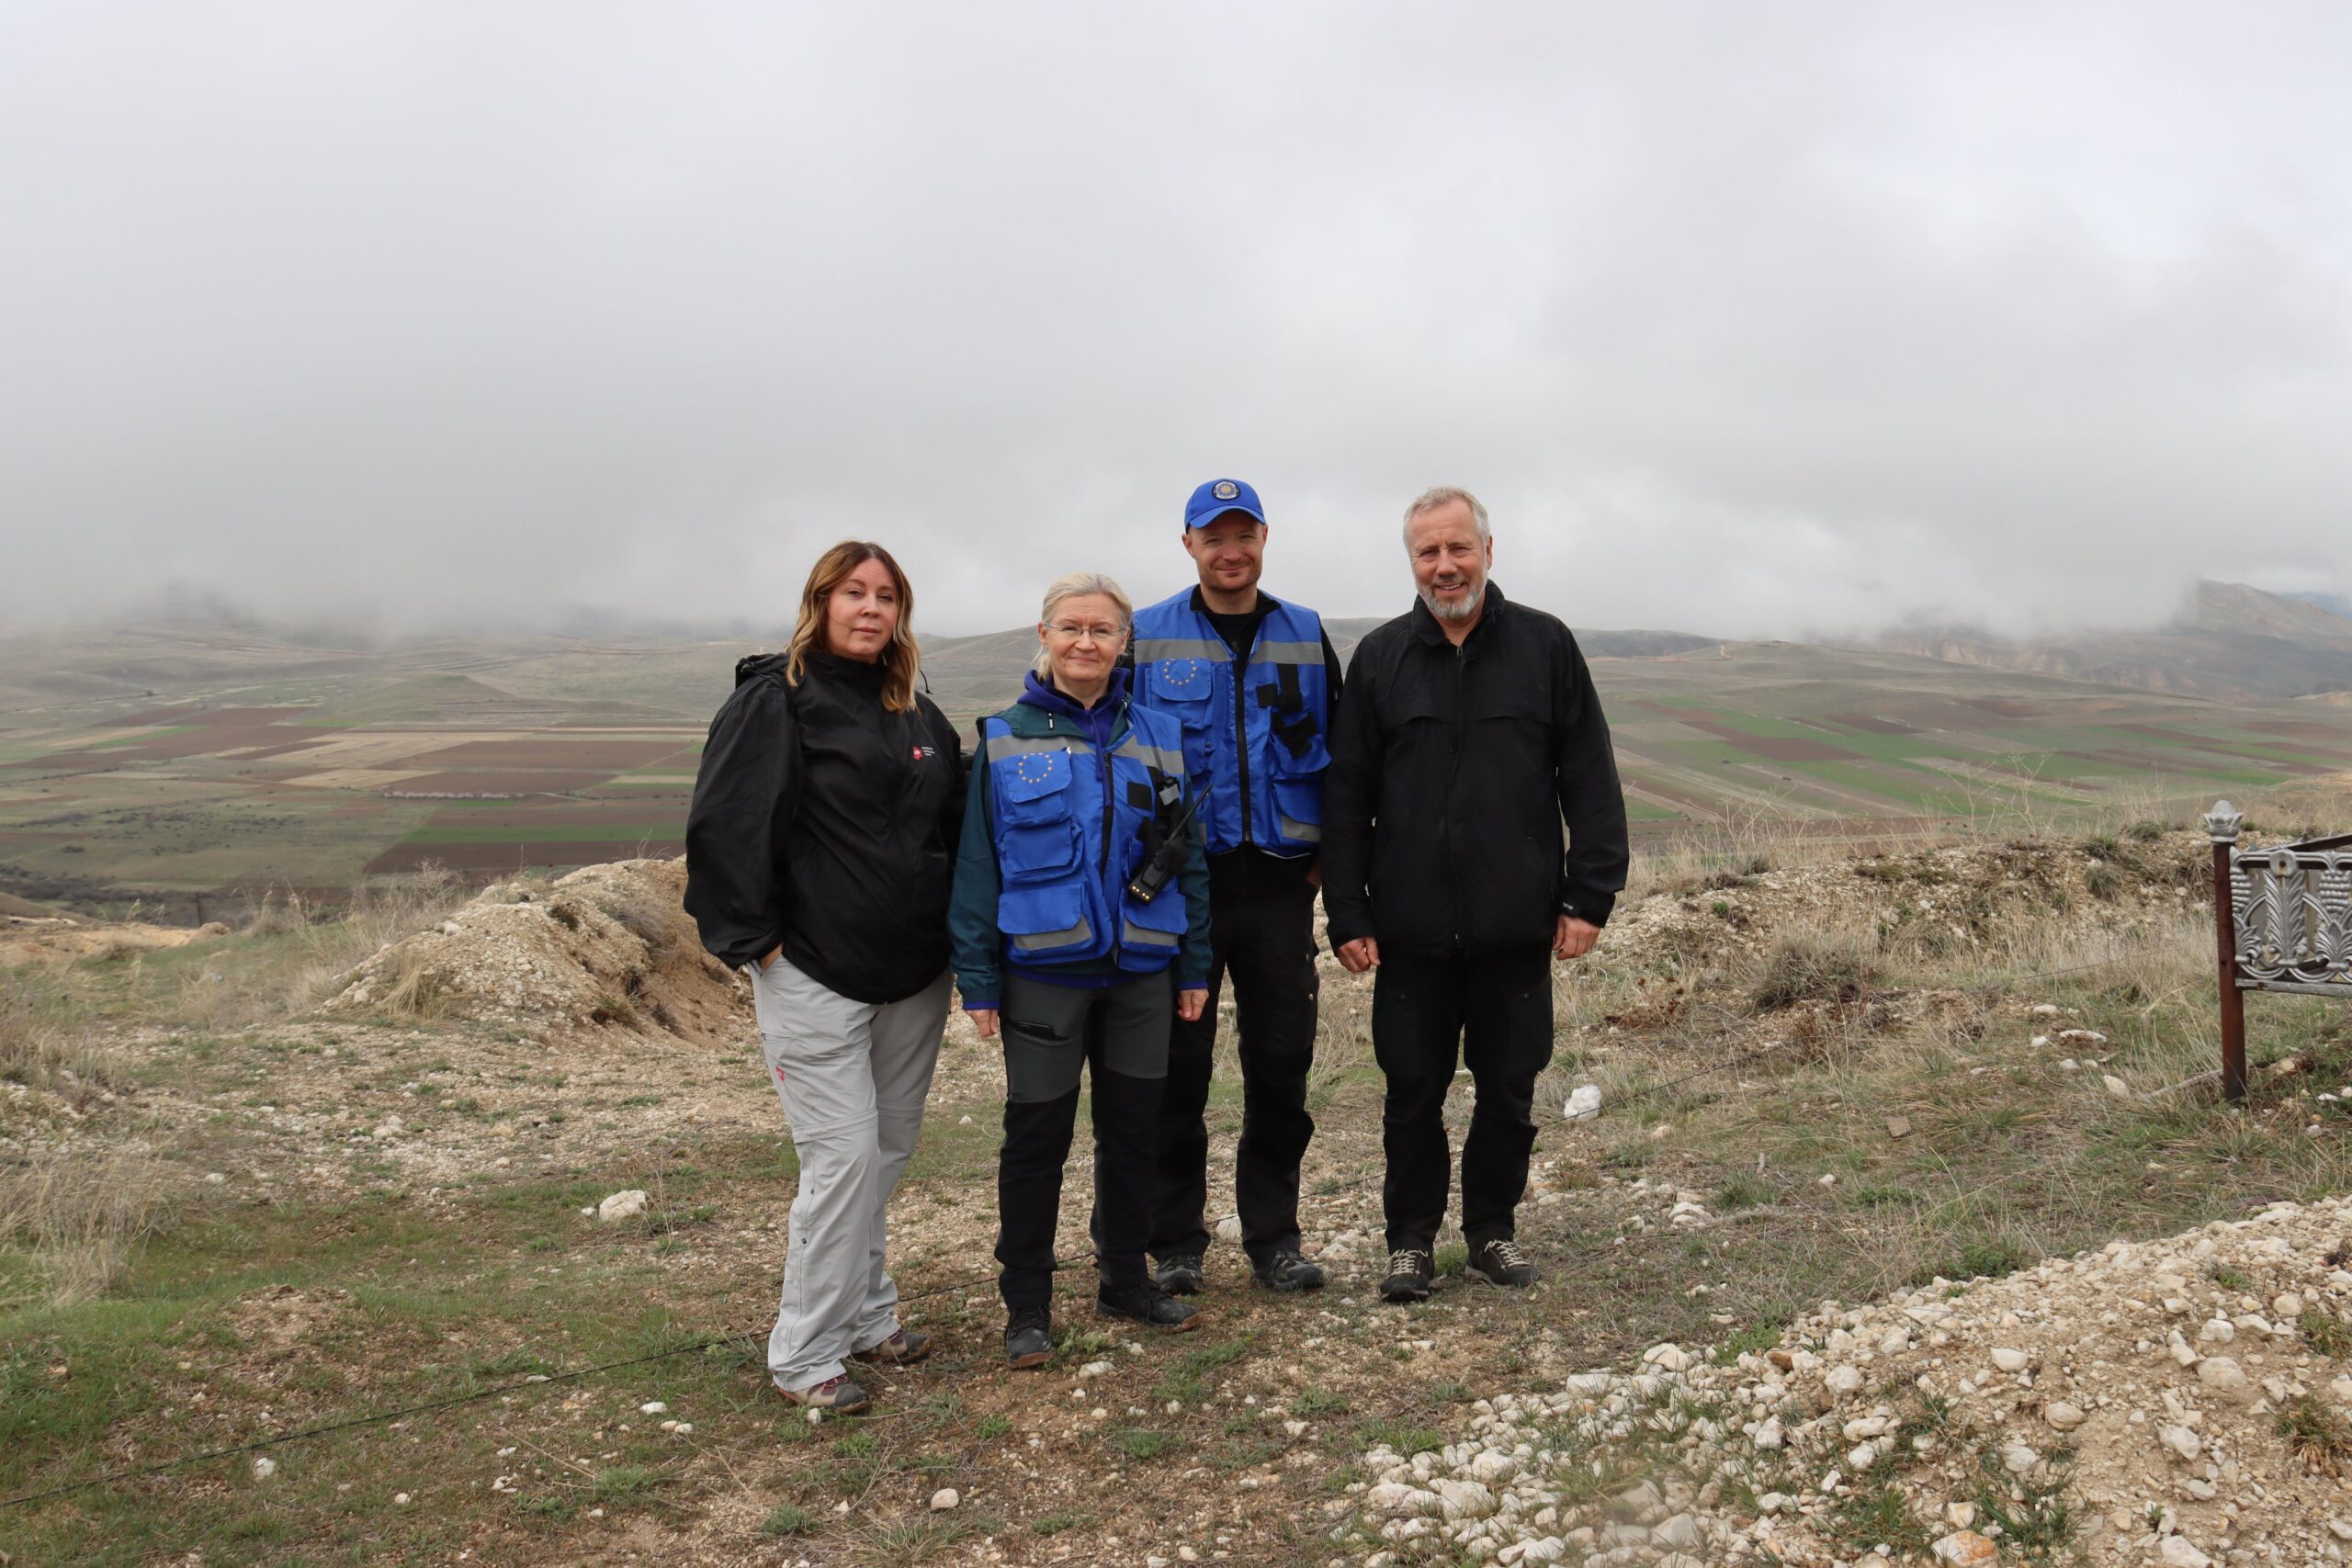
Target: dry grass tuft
<point>1812,969</point>
<point>83,1216</point>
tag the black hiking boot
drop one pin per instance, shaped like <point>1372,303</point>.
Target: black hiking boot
<point>1028,1337</point>
<point>1502,1263</point>
<point>1411,1271</point>
<point>1287,1271</point>
<point>1181,1274</point>
<point>1148,1303</point>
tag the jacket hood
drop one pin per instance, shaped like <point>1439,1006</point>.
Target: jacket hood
<point>760,666</point>
<point>1039,691</point>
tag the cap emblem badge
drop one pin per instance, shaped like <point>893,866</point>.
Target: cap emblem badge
<point>1224,489</point>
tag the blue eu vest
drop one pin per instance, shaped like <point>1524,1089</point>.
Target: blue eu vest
<point>1066,821</point>
<point>1259,760</point>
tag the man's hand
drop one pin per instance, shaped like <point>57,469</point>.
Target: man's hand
<point>1362,954</point>
<point>1190,1002</point>
<point>770,956</point>
<point>983,1020</point>
<point>1575,938</point>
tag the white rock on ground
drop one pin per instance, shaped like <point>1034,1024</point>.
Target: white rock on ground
<point>622,1206</point>
<point>1584,1102</point>
<point>2075,1378</point>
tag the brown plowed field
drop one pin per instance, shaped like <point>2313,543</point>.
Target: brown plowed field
<point>1772,747</point>
<point>525,780</point>
<point>613,756</point>
<point>511,857</point>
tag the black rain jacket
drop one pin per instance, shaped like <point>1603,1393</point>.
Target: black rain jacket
<point>824,822</point>
<point>1452,771</point>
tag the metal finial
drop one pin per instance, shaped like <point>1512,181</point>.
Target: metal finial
<point>2222,822</point>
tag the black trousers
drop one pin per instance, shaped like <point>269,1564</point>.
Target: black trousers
<point>1050,1031</point>
<point>1498,1010</point>
<point>1264,937</point>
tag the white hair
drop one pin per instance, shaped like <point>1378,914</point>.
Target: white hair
<point>1077,586</point>
<point>1440,495</point>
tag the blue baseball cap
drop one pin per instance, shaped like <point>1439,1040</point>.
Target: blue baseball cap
<point>1216,498</point>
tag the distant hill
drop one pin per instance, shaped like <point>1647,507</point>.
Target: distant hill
<point>2226,641</point>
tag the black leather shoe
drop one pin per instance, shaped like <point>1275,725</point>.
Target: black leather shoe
<point>1147,1304</point>
<point>1181,1274</point>
<point>1501,1262</point>
<point>1028,1337</point>
<point>1410,1273</point>
<point>1288,1271</point>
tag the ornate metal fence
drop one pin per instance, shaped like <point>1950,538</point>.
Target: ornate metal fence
<point>2282,919</point>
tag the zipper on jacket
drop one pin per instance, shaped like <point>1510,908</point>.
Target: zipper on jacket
<point>1241,733</point>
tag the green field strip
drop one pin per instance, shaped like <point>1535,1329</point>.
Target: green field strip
<point>561,833</point>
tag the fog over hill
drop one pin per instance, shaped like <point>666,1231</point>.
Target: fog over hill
<point>2226,640</point>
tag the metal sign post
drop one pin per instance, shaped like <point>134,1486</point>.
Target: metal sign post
<point>2282,921</point>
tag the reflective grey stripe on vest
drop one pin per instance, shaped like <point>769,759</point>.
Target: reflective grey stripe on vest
<point>1305,832</point>
<point>1151,650</point>
<point>1078,933</point>
<point>1287,653</point>
<point>1022,746</point>
<point>1135,936</point>
<point>1151,756</point>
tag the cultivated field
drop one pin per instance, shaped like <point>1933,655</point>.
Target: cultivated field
<point>165,766</point>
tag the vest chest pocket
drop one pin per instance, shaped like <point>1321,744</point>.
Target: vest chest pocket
<point>1037,837</point>
<point>1182,689</point>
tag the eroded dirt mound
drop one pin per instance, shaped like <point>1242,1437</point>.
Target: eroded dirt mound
<point>62,938</point>
<point>1939,902</point>
<point>608,946</point>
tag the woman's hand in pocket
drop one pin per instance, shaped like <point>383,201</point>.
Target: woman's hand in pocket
<point>983,1020</point>
<point>770,956</point>
<point>1190,1002</point>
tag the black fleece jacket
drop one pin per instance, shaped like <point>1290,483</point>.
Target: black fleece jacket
<point>1451,770</point>
<point>827,824</point>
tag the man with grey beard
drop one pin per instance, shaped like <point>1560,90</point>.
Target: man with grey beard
<point>1470,734</point>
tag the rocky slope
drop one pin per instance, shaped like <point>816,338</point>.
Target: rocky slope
<point>2181,1402</point>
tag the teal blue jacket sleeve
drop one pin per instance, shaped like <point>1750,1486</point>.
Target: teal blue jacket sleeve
<point>1193,958</point>
<point>975,946</point>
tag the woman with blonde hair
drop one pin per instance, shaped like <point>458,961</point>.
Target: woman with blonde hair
<point>1080,923</point>
<point>818,858</point>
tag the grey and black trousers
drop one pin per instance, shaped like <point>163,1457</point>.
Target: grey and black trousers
<point>1119,1034</point>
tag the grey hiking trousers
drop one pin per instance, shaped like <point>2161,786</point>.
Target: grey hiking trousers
<point>853,1077</point>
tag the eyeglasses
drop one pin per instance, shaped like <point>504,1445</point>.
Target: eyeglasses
<point>1071,631</point>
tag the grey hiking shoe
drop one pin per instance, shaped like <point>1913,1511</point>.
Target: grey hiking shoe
<point>904,1347</point>
<point>836,1394</point>
<point>1411,1271</point>
<point>1181,1274</point>
<point>1502,1263</point>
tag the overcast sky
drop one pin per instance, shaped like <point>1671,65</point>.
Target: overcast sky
<point>1747,319</point>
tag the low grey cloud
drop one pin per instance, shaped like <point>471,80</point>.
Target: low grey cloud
<point>1752,321</point>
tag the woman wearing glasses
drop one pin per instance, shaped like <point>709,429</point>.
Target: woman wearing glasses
<point>1080,918</point>
<point>817,855</point>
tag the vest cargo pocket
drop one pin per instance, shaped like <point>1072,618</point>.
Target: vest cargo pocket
<point>1041,921</point>
<point>1037,836</point>
<point>1297,782</point>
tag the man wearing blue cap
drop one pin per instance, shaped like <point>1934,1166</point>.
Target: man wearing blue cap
<point>1255,684</point>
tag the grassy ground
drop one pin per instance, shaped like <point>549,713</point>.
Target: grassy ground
<point>333,1272</point>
